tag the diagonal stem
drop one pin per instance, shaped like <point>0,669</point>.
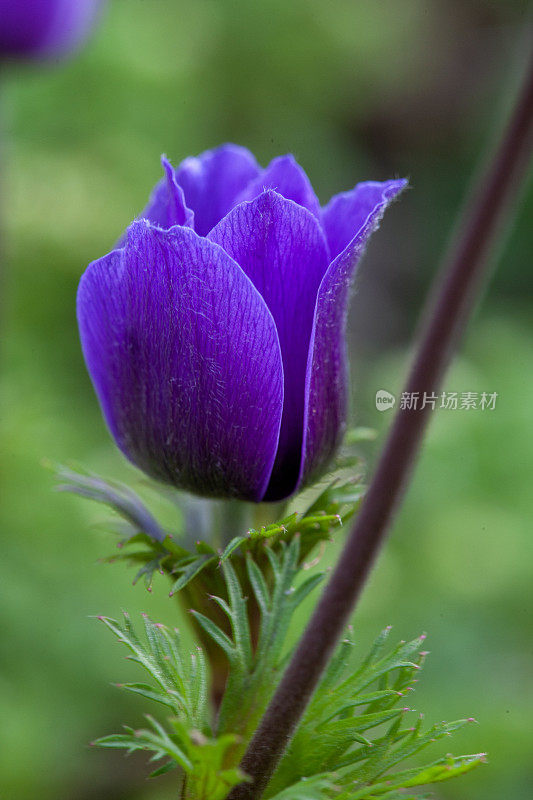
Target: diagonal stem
<point>462,278</point>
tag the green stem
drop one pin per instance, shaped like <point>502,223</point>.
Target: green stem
<point>233,518</point>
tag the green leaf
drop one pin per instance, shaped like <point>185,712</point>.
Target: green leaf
<point>253,676</point>
<point>170,765</point>
<point>216,634</point>
<point>147,571</point>
<point>306,588</point>
<point>192,570</point>
<point>238,616</point>
<point>148,692</point>
<point>342,729</point>
<point>259,585</point>
<point>181,679</point>
<point>235,543</point>
<point>320,787</point>
<point>158,742</point>
<point>441,770</point>
<point>204,761</point>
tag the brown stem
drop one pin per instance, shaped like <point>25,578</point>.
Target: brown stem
<point>464,269</point>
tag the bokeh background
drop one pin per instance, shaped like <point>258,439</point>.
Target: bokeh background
<point>356,90</point>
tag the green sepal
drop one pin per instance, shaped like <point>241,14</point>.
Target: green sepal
<point>145,543</point>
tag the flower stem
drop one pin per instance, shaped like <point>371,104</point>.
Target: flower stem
<point>462,277</point>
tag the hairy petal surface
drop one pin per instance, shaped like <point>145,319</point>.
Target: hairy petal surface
<point>286,177</point>
<point>212,181</point>
<point>326,393</point>
<point>347,212</point>
<point>281,247</point>
<point>166,206</point>
<point>185,359</point>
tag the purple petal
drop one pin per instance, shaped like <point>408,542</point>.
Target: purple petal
<point>44,28</point>
<point>185,359</point>
<point>281,247</point>
<point>347,212</point>
<point>326,394</point>
<point>166,206</point>
<point>286,177</point>
<point>212,181</point>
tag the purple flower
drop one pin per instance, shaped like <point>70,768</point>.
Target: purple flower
<point>215,334</point>
<point>44,28</point>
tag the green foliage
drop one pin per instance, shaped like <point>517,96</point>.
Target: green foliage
<point>144,542</point>
<point>142,539</point>
<point>334,506</point>
<point>353,736</point>
<point>200,759</point>
<point>254,667</point>
<point>317,788</point>
<point>354,90</point>
<point>181,685</point>
<point>195,743</point>
<point>354,731</point>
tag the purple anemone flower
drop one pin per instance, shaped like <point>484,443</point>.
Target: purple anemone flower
<point>44,28</point>
<point>215,334</point>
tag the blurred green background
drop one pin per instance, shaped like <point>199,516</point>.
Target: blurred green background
<point>356,90</point>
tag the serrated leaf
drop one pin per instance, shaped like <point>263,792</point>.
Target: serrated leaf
<point>179,682</point>
<point>205,548</point>
<point>193,569</point>
<point>170,765</point>
<point>360,722</point>
<point>234,544</point>
<point>259,585</point>
<point>441,770</point>
<point>147,571</point>
<point>238,617</point>
<point>306,588</point>
<point>318,787</point>
<point>148,692</point>
<point>118,740</point>
<point>216,634</point>
<point>253,675</point>
<point>159,743</point>
<point>198,686</point>
<point>444,769</point>
<point>330,736</point>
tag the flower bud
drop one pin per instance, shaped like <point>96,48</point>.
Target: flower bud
<point>215,334</point>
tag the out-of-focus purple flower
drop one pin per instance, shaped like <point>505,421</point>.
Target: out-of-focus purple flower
<point>215,334</point>
<point>44,28</point>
